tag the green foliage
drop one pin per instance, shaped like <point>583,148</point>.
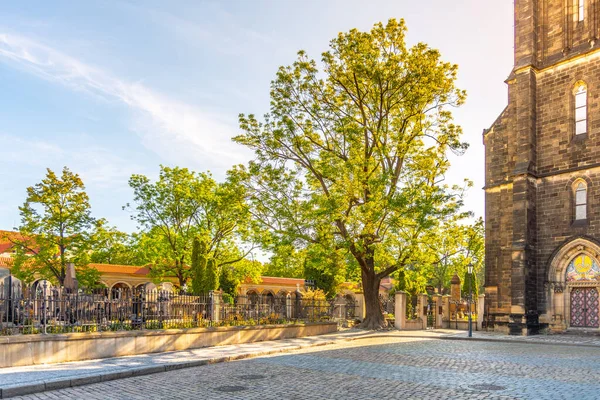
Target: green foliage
<point>111,246</point>
<point>232,275</point>
<point>228,282</point>
<point>165,210</point>
<point>469,281</point>
<point>198,266</point>
<point>183,205</point>
<point>352,156</point>
<point>401,284</point>
<point>451,248</point>
<point>56,229</point>
<point>411,280</point>
<point>286,261</point>
<point>211,280</point>
<point>228,298</point>
<point>326,268</point>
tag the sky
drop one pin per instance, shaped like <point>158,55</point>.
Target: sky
<point>115,88</point>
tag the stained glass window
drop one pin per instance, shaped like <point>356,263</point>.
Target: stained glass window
<point>583,268</point>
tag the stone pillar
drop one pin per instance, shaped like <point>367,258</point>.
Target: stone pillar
<point>216,305</point>
<point>422,310</point>
<point>446,310</point>
<point>400,310</point>
<point>559,316</point>
<point>361,310</point>
<point>480,311</point>
<point>455,288</point>
<point>526,32</point>
<point>438,311</point>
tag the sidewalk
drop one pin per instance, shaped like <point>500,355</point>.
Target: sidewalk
<point>37,378</point>
<point>17,381</point>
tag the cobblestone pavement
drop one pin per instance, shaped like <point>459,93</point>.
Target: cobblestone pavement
<point>577,337</point>
<point>375,368</point>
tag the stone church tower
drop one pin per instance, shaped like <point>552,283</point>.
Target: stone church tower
<point>542,160</point>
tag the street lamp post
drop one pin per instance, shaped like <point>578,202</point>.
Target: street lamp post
<point>470,270</point>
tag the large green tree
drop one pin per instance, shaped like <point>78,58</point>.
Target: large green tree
<point>165,210</point>
<point>56,229</point>
<point>354,153</point>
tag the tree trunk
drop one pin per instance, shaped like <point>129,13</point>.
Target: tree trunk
<point>61,278</point>
<point>374,314</point>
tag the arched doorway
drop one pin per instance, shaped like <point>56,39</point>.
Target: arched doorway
<point>582,276</point>
<point>574,283</point>
<point>120,291</point>
<point>253,298</point>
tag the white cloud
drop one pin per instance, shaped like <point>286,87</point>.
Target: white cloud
<point>98,166</point>
<point>181,133</point>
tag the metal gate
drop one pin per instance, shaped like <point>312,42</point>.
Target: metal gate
<point>430,313</point>
<point>584,308</point>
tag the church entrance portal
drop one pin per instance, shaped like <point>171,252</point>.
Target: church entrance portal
<point>584,307</point>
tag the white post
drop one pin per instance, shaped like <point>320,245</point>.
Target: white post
<point>422,310</point>
<point>437,312</point>
<point>362,310</point>
<point>216,305</point>
<point>400,310</point>
<point>480,311</point>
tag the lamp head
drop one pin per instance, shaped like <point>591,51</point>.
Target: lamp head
<point>470,268</point>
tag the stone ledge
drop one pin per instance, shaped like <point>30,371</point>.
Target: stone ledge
<point>145,332</point>
<point>50,349</point>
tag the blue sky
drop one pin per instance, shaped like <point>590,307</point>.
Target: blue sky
<point>112,88</point>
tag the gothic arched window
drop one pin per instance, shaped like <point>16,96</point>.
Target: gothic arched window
<point>580,93</point>
<point>580,201</point>
<point>580,10</point>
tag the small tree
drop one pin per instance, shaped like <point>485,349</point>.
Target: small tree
<point>470,282</point>
<point>56,229</point>
<point>198,266</point>
<point>212,276</point>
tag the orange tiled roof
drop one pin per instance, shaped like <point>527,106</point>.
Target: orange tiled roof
<point>105,268</point>
<point>5,240</point>
<point>120,269</point>
<point>281,281</point>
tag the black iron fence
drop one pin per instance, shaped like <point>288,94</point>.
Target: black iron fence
<point>43,309</point>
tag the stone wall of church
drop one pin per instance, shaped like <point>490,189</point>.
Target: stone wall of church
<point>563,157</point>
<point>533,155</point>
<point>559,149</point>
<point>499,212</point>
<point>550,30</point>
<point>556,218</point>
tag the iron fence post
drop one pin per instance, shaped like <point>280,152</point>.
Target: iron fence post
<point>44,305</point>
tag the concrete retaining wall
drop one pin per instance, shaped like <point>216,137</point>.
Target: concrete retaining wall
<point>461,325</point>
<point>414,325</point>
<point>47,349</point>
